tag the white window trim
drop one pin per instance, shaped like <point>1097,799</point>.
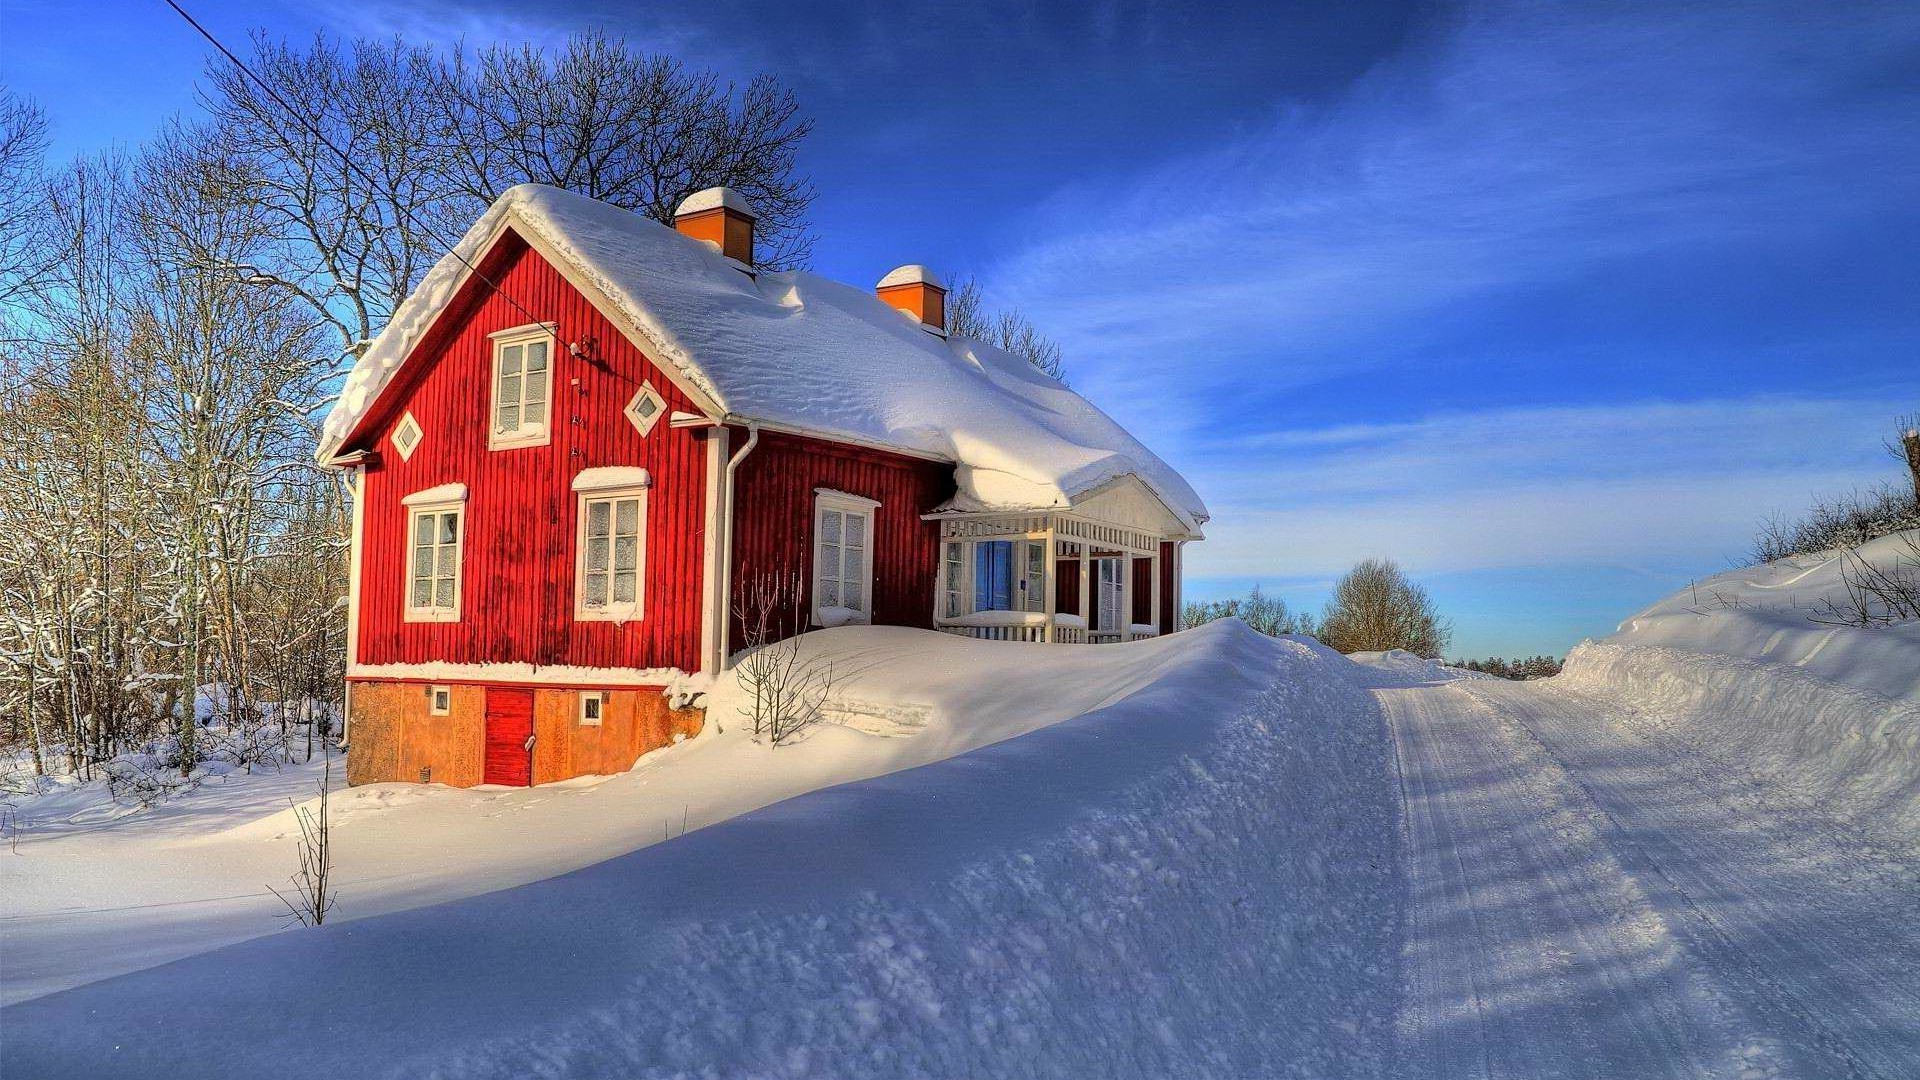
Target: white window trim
<point>433,699</point>
<point>645,424</point>
<point>414,511</point>
<point>405,450</point>
<point>828,499</point>
<point>618,613</point>
<point>598,696</point>
<point>520,335</point>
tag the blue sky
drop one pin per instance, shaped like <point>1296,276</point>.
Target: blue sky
<point>1552,302</point>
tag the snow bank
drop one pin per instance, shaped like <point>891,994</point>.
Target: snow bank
<point>799,349</point>
<point>97,902</point>
<point>1197,879</point>
<point>1765,614</point>
<point>1852,753</point>
<point>1736,667</point>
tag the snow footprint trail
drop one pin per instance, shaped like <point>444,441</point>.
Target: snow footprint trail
<point>1529,951</point>
<point>1813,930</point>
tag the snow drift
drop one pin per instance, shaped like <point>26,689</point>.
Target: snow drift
<point>1737,667</point>
<point>1228,825</point>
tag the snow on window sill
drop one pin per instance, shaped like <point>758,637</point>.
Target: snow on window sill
<point>830,617</point>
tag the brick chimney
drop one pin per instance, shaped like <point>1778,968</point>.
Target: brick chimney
<point>718,216</point>
<point>917,291</point>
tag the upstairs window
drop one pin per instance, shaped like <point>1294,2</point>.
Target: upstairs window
<point>842,558</point>
<point>522,386</point>
<point>406,437</point>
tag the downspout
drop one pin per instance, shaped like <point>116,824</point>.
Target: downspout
<point>724,632</point>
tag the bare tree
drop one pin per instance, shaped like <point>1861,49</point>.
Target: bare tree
<point>637,130</point>
<point>312,883</point>
<point>1905,445</point>
<point>967,317</point>
<point>1876,593</point>
<point>1266,614</point>
<point>23,143</point>
<point>787,687</point>
<point>1375,608</point>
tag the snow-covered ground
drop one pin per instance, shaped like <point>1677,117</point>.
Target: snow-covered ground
<point>1214,854</point>
<point>80,902</point>
<point>1194,877</point>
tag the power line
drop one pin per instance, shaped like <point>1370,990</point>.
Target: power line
<point>345,158</point>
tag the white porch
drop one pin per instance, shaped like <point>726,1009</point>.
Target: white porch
<point>1001,578</point>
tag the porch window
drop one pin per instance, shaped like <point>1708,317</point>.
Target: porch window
<point>1009,575</point>
<point>842,558</point>
<point>955,567</point>
<point>522,384</point>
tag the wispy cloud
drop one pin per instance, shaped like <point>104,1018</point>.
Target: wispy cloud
<point>1530,144</point>
<point>1531,487</point>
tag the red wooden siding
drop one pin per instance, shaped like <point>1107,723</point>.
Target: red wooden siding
<point>1169,575</point>
<point>509,726</point>
<point>773,521</point>
<point>1142,587</point>
<point>517,567</point>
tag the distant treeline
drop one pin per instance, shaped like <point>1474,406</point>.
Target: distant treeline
<point>1533,667</point>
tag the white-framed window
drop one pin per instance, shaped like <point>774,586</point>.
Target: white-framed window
<point>593,705</point>
<point>610,570</point>
<point>954,556</point>
<point>406,436</point>
<point>522,387</point>
<point>646,408</point>
<point>1009,575</point>
<point>842,558</point>
<point>439,700</point>
<point>434,539</point>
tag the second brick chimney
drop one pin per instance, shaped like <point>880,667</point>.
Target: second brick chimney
<point>917,291</point>
<point>720,217</point>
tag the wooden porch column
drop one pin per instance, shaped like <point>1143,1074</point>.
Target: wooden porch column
<point>1153,589</point>
<point>1126,596</point>
<point>1086,590</point>
<point>1046,583</point>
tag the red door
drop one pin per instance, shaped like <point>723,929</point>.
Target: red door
<point>509,735</point>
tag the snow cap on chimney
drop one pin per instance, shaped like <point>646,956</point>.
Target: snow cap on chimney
<point>917,291</point>
<point>720,217</point>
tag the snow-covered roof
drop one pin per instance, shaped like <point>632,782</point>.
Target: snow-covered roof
<point>797,350</point>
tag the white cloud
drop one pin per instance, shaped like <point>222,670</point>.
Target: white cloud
<point>1531,486</point>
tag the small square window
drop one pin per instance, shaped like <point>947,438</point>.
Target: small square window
<point>593,704</point>
<point>646,408</point>
<point>406,436</point>
<point>439,700</point>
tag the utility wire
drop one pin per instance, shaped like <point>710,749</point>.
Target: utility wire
<point>345,158</point>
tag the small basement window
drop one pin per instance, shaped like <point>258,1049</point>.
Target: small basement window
<point>439,700</point>
<point>593,704</point>
<point>522,386</point>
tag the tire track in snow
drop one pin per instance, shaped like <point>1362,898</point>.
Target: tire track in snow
<point>1530,951</point>
<point>1812,929</point>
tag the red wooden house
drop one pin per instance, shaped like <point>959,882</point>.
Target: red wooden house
<point>587,440</point>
